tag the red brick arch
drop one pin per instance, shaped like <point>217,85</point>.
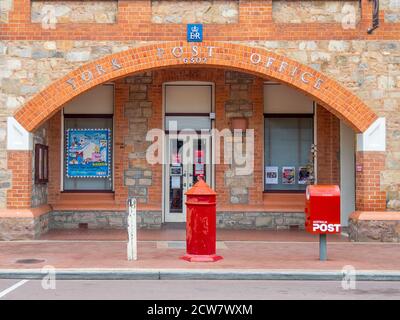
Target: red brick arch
<point>324,90</point>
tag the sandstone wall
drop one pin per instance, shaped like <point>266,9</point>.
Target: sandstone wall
<point>289,11</point>
<point>391,10</point>
<point>75,11</point>
<point>214,11</point>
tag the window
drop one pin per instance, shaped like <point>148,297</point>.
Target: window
<point>88,152</point>
<point>88,126</point>
<point>41,164</point>
<point>288,141</point>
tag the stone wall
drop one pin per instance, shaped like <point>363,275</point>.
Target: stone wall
<point>391,10</point>
<point>102,219</point>
<point>214,11</point>
<point>6,6</point>
<point>260,220</point>
<point>239,105</point>
<point>374,230</point>
<point>292,11</point>
<point>138,110</point>
<point>32,228</point>
<point>74,11</point>
<point>23,228</point>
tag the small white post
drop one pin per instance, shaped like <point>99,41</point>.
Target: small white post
<point>132,231</point>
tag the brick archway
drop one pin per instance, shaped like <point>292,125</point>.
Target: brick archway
<point>324,90</point>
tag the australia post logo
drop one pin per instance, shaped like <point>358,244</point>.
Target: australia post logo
<point>194,32</point>
<point>323,226</point>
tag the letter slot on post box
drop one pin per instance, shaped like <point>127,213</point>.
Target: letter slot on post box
<point>322,212</point>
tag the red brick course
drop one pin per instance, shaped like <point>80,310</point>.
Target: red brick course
<point>20,193</point>
<point>328,147</point>
<point>134,23</point>
<point>369,196</point>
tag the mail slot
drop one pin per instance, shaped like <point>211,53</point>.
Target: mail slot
<point>322,209</point>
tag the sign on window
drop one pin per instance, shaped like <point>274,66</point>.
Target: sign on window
<point>88,153</point>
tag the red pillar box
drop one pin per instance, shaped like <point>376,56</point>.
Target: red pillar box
<point>201,215</point>
<point>322,209</point>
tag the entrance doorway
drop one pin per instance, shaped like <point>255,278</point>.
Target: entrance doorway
<point>188,108</point>
<point>187,159</point>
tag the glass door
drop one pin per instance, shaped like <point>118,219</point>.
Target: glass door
<point>187,159</point>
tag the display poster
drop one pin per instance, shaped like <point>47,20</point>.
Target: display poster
<point>199,169</point>
<point>288,175</point>
<point>303,175</point>
<point>271,175</point>
<point>88,153</point>
<point>175,182</point>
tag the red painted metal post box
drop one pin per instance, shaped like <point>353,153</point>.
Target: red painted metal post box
<point>322,209</point>
<point>201,215</point>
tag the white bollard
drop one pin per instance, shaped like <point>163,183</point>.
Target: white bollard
<point>132,231</point>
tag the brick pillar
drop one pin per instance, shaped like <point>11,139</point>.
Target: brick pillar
<point>369,196</point>
<point>328,147</point>
<point>20,193</point>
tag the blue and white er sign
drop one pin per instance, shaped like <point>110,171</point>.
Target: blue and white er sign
<point>194,32</point>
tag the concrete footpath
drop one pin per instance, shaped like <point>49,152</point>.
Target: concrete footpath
<point>281,257</point>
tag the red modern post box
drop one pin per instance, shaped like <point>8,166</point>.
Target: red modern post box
<point>323,209</point>
<point>201,215</point>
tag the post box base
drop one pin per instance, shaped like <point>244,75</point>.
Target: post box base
<point>201,257</point>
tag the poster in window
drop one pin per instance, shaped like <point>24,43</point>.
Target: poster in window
<point>88,153</point>
<point>175,182</point>
<point>303,175</point>
<point>288,175</point>
<point>199,169</point>
<point>271,175</point>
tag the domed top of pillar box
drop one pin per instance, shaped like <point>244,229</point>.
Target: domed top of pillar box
<point>201,188</point>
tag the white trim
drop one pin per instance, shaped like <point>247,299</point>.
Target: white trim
<point>374,138</point>
<point>18,138</point>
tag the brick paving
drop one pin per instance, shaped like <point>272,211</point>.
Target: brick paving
<point>240,249</point>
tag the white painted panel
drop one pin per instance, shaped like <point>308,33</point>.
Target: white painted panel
<point>283,99</point>
<point>347,172</point>
<point>194,123</point>
<point>188,98</point>
<point>17,136</point>
<point>99,100</point>
<point>374,138</point>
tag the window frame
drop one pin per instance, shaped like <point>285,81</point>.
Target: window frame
<point>41,167</point>
<point>292,116</point>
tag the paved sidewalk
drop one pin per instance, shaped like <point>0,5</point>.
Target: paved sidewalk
<point>265,252</point>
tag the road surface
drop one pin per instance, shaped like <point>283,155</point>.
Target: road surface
<point>194,290</point>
